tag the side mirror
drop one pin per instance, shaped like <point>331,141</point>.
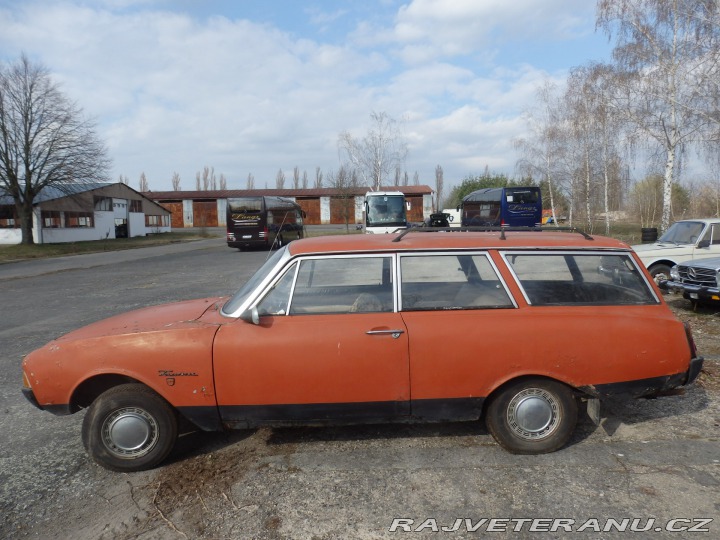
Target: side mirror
<point>251,315</point>
<point>704,244</point>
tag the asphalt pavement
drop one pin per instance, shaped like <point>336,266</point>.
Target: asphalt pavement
<point>39,267</point>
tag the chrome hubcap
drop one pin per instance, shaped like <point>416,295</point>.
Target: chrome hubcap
<point>129,432</point>
<point>533,414</point>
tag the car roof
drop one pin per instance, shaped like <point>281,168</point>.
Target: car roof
<point>434,240</point>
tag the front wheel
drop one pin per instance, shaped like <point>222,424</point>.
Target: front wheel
<point>532,416</point>
<point>129,428</point>
<point>660,272</point>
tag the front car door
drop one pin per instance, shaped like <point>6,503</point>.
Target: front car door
<point>330,345</point>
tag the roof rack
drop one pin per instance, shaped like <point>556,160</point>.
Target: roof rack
<point>501,230</point>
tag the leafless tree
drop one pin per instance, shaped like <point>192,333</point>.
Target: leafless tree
<point>124,180</point>
<point>398,175</point>
<point>345,183</point>
<point>206,180</point>
<point>304,180</point>
<point>143,183</point>
<point>250,184</point>
<point>660,55</point>
<point>296,177</point>
<point>543,150</point>
<point>176,181</point>
<point>416,179</point>
<point>223,182</point>
<point>318,177</point>
<point>439,183</point>
<point>44,140</point>
<point>280,180</point>
<point>375,156</point>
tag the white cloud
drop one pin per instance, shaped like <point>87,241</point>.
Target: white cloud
<point>174,93</point>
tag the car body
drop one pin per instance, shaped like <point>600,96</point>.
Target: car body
<point>378,328</point>
<point>684,241</point>
<point>698,281</point>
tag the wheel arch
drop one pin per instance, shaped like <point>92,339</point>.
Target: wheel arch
<point>90,389</point>
<point>497,390</point>
<point>665,262</point>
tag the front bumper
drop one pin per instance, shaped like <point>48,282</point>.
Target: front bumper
<point>59,410</point>
<point>693,292</point>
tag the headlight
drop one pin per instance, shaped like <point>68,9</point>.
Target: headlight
<point>674,273</point>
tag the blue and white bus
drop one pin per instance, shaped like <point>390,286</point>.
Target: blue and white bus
<point>507,206</point>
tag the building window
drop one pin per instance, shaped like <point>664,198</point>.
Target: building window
<point>157,221</point>
<point>51,219</point>
<point>79,219</point>
<point>136,206</point>
<point>103,204</point>
<point>8,220</point>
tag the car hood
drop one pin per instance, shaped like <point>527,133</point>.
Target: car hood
<point>713,263</point>
<point>664,249</point>
<point>149,319</point>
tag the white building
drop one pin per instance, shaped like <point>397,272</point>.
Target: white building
<point>85,212</point>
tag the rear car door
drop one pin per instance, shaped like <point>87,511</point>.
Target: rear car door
<point>459,315</point>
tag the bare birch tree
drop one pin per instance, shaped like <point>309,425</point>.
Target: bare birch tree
<point>176,181</point>
<point>44,140</point>
<point>318,178</point>
<point>375,156</point>
<point>439,185</point>
<point>659,56</point>
<point>143,183</point>
<point>543,150</point>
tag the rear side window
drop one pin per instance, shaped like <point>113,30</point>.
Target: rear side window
<point>597,279</point>
<point>452,281</point>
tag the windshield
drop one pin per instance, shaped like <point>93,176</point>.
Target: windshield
<point>386,210</point>
<point>264,271</point>
<point>683,232</point>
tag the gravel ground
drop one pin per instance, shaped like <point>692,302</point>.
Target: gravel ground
<point>656,459</point>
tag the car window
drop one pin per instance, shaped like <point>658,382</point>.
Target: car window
<point>452,281</point>
<point>343,285</point>
<point>580,279</point>
<point>262,273</point>
<point>277,299</point>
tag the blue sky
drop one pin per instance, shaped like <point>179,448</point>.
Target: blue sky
<point>253,87</point>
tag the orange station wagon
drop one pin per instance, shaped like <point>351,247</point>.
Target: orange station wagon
<point>522,328</point>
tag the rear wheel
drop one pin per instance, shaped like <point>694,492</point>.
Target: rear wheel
<point>129,428</point>
<point>532,416</point>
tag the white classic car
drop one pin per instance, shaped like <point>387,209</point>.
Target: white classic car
<point>684,241</point>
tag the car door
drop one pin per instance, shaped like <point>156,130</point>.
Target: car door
<point>329,345</point>
<point>459,314</point>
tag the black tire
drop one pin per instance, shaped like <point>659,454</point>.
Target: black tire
<point>532,416</point>
<point>129,428</point>
<point>660,272</point>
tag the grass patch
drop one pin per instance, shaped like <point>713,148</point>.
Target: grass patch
<point>41,251</point>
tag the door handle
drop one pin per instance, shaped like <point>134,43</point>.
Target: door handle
<point>394,333</point>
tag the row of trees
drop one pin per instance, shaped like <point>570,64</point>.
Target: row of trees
<point>657,100</point>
